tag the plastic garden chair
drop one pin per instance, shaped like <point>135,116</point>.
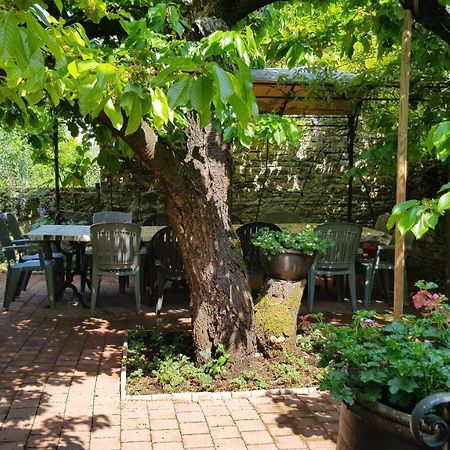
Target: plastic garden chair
<point>112,217</point>
<point>338,259</point>
<point>19,271</point>
<point>157,219</point>
<point>14,227</point>
<point>104,217</point>
<point>115,251</point>
<point>166,263</point>
<point>252,254</point>
<point>380,265</point>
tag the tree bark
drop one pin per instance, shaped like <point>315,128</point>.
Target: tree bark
<point>196,184</point>
<point>276,313</point>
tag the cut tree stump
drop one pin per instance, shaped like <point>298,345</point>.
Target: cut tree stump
<point>276,311</point>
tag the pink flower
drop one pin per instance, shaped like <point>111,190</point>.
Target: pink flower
<point>426,299</point>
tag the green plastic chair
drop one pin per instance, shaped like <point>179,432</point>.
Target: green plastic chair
<point>337,260</point>
<point>14,227</point>
<point>20,271</point>
<point>157,219</point>
<point>166,263</point>
<point>115,251</point>
<point>251,253</point>
<point>381,265</point>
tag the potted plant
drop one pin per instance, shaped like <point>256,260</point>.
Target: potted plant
<point>381,369</point>
<point>286,255</point>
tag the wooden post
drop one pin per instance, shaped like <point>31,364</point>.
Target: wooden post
<point>402,165</point>
<point>55,139</point>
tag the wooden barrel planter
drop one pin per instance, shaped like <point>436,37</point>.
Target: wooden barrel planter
<point>375,426</point>
<point>290,265</point>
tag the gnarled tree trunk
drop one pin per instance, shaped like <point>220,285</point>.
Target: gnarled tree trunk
<point>196,184</point>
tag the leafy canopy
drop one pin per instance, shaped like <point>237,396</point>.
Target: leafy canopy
<point>148,70</point>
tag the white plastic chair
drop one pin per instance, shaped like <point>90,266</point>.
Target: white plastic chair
<point>115,251</point>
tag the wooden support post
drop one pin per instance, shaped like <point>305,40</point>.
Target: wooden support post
<point>55,139</point>
<point>402,165</point>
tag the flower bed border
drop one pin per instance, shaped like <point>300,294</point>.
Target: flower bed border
<point>204,395</point>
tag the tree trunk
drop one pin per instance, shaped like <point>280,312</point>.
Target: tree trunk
<point>196,184</point>
<point>276,316</point>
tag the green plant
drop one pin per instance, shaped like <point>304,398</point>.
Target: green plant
<point>273,242</point>
<point>395,362</point>
<point>163,356</point>
<point>215,364</point>
<point>249,378</point>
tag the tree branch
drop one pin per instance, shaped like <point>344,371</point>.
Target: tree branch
<point>230,11</point>
<point>432,15</point>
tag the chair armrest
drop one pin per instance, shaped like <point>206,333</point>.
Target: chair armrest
<point>20,241</point>
<point>22,247</point>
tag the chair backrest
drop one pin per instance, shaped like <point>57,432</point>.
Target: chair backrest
<point>13,226</point>
<point>252,254</point>
<point>115,246</point>
<point>157,219</point>
<point>112,217</point>
<point>6,241</point>
<point>381,222</point>
<point>346,238</point>
<point>165,251</point>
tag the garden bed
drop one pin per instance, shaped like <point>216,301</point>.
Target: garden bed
<point>161,362</point>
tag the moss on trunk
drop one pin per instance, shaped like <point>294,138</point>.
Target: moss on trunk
<point>276,312</point>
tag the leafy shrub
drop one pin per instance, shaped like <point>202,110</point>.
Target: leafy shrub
<point>397,363</point>
<point>273,242</point>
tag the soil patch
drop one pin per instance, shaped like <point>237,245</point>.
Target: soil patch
<point>160,361</point>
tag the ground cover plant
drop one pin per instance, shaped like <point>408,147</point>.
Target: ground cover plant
<point>162,361</point>
<point>397,363</point>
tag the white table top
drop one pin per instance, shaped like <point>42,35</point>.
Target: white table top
<point>80,233</point>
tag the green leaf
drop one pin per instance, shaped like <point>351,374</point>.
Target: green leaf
<point>134,115</point>
<point>444,202</point>
<point>178,93</point>
<point>105,72</point>
<point>11,42</point>
<point>90,97</point>
<point>402,207</point>
<point>205,118</point>
<point>200,94</point>
<point>59,5</point>
<point>240,109</point>
<point>223,81</point>
<point>114,114</point>
<point>72,69</point>
<point>444,187</point>
<point>175,20</point>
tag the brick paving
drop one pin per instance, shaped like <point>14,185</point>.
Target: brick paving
<point>60,387</point>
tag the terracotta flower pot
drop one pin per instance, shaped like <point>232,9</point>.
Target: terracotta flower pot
<point>291,265</point>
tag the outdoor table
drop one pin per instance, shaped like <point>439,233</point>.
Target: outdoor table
<point>79,237</point>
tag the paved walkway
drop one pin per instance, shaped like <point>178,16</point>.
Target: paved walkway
<point>60,388</point>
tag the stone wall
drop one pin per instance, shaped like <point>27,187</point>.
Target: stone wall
<point>307,183</point>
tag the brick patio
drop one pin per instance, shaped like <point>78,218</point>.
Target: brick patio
<point>60,387</point>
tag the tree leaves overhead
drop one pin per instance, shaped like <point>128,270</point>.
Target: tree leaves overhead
<point>49,58</point>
